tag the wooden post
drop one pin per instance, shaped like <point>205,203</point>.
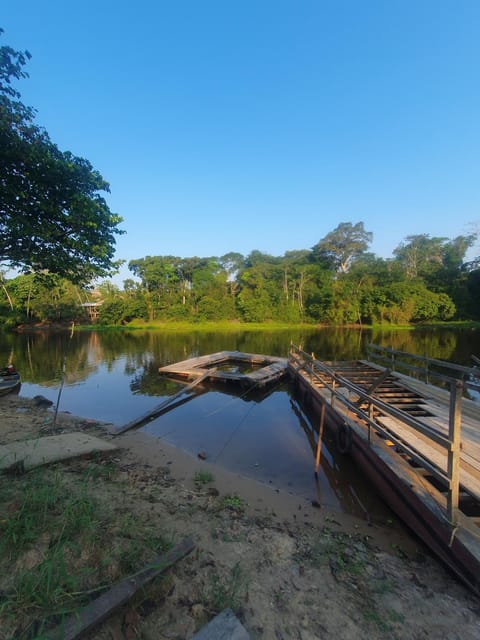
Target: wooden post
<point>320,438</point>
<point>370,415</point>
<point>454,435</point>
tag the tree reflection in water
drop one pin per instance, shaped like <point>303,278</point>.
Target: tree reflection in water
<point>113,376</point>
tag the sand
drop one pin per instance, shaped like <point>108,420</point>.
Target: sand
<point>296,570</point>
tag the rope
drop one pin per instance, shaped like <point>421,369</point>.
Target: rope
<point>240,397</point>
<point>227,442</point>
<point>229,439</point>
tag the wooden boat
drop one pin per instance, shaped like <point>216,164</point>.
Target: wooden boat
<point>10,380</point>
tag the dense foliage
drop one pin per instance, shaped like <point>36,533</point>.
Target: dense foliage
<point>58,229</point>
<point>336,282</point>
<point>52,216</point>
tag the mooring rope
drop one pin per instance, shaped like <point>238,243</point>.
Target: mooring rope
<point>227,442</point>
<point>208,415</point>
<point>244,417</point>
<point>240,397</point>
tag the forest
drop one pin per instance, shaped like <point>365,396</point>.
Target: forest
<point>336,282</point>
<point>57,234</point>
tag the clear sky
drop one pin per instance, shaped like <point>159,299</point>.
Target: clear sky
<point>262,124</point>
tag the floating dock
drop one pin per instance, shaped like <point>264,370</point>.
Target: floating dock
<point>230,367</point>
<point>419,445</point>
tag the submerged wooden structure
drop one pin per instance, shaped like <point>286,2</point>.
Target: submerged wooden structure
<point>419,445</point>
<point>226,367</point>
<point>250,371</point>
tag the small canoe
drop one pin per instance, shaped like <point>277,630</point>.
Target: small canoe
<point>10,380</point>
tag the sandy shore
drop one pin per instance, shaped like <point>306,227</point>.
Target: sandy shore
<point>306,572</point>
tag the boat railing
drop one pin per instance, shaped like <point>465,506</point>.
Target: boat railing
<point>340,389</point>
<point>430,369</point>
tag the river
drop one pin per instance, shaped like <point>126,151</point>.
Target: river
<point>112,376</point>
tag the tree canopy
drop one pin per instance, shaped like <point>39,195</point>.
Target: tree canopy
<point>299,286</point>
<point>52,214</point>
<point>343,245</point>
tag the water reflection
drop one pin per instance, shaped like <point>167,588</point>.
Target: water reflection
<point>113,376</point>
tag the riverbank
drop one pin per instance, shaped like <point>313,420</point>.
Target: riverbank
<point>287,567</point>
<point>233,326</point>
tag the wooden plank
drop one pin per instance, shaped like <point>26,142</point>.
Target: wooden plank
<point>103,606</point>
<point>198,364</point>
<point>429,452</point>
<point>161,407</point>
<point>453,453</point>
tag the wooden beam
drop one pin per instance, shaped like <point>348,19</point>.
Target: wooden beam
<point>320,438</point>
<point>153,413</point>
<point>103,606</point>
<point>454,434</point>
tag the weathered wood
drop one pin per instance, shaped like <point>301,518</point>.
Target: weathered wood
<point>454,428</point>
<point>273,368</point>
<point>153,413</point>
<point>432,453</point>
<point>103,606</point>
<point>320,439</point>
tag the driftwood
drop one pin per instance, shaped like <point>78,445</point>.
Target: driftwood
<point>162,407</point>
<point>103,606</point>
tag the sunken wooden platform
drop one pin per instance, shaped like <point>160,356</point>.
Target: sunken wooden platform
<point>226,367</point>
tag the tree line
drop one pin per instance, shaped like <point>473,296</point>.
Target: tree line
<point>337,281</point>
<point>57,230</point>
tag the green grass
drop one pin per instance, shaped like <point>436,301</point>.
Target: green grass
<point>340,551</point>
<point>61,544</point>
<point>203,477</point>
<point>231,326</point>
<point>234,503</point>
<point>230,592</point>
<point>44,497</point>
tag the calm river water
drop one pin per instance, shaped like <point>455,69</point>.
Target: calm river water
<point>113,376</point>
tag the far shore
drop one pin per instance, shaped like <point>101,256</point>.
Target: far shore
<point>232,326</point>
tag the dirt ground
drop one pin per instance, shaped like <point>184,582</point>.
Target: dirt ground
<point>290,569</point>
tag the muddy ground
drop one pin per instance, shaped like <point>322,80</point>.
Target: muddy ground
<point>290,569</point>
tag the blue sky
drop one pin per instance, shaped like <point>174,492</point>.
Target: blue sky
<point>232,126</point>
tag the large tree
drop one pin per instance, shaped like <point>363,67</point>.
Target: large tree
<point>339,248</point>
<point>52,214</point>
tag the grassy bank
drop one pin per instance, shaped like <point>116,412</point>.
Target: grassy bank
<point>235,327</point>
<point>201,327</point>
<point>63,544</point>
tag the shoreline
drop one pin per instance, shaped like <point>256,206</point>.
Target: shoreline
<point>307,572</point>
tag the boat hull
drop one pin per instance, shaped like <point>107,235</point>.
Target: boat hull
<point>10,384</point>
